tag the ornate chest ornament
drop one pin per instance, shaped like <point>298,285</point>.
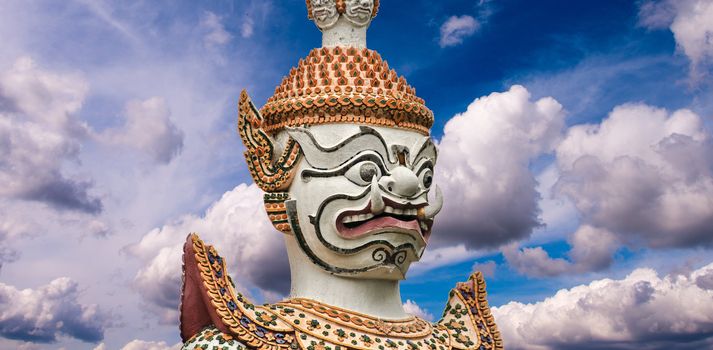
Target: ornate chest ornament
<point>307,324</point>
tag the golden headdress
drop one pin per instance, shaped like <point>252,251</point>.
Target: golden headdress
<point>345,85</point>
<point>331,85</point>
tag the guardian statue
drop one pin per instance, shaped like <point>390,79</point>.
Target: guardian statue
<point>343,153</point>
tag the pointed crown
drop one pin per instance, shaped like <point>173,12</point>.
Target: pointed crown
<point>345,85</point>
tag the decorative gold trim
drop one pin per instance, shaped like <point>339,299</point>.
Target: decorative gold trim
<point>484,309</point>
<point>276,210</point>
<point>268,175</point>
<point>412,327</point>
<point>318,324</point>
<point>470,299</point>
<point>253,330</point>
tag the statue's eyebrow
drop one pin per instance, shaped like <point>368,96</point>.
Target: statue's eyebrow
<point>367,138</point>
<point>342,169</point>
<point>426,143</point>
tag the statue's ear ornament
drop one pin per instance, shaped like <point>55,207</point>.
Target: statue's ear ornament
<point>273,177</point>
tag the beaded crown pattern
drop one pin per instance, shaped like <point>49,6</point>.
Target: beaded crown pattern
<point>345,85</point>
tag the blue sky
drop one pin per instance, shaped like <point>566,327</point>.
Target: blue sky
<point>583,131</point>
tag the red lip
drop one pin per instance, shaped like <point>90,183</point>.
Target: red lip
<point>375,224</point>
<point>405,220</point>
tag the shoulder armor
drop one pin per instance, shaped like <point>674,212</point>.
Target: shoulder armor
<point>468,319</point>
<point>209,298</point>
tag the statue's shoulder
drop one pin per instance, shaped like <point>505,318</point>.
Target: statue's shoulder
<point>212,312</point>
<point>215,316</point>
<point>468,319</point>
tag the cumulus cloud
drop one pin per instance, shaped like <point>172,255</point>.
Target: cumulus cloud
<point>643,174</point>
<point>691,22</point>
<point>641,311</point>
<point>148,129</point>
<point>592,250</point>
<point>491,195</point>
<point>456,28</point>
<point>48,312</point>
<point>38,135</point>
<point>487,268</point>
<point>215,35</point>
<point>442,256</point>
<point>413,309</point>
<point>238,227</point>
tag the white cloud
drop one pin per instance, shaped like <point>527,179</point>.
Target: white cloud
<point>149,129</point>
<point>592,250</point>
<point>435,257</point>
<point>656,14</point>
<point>456,29</point>
<point>44,314</point>
<point>558,213</point>
<point>215,35</point>
<point>691,22</point>
<point>238,227</point>
<point>247,28</point>
<point>40,135</point>
<point>487,268</point>
<point>490,194</point>
<point>641,311</point>
<point>643,174</point>
<point>168,59</point>
<point>412,308</point>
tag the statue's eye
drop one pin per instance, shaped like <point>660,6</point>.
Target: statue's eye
<point>367,171</point>
<point>362,173</point>
<point>426,178</point>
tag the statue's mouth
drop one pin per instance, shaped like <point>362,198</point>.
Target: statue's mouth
<point>361,11</point>
<point>395,217</point>
<point>322,13</point>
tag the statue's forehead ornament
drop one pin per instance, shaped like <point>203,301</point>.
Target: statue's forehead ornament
<point>337,84</point>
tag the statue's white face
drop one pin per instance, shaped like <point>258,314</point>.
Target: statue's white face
<point>324,13</point>
<point>360,196</point>
<point>359,12</point>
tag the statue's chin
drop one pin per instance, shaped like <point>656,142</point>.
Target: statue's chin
<point>325,18</point>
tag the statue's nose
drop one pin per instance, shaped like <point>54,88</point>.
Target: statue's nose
<point>402,182</point>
